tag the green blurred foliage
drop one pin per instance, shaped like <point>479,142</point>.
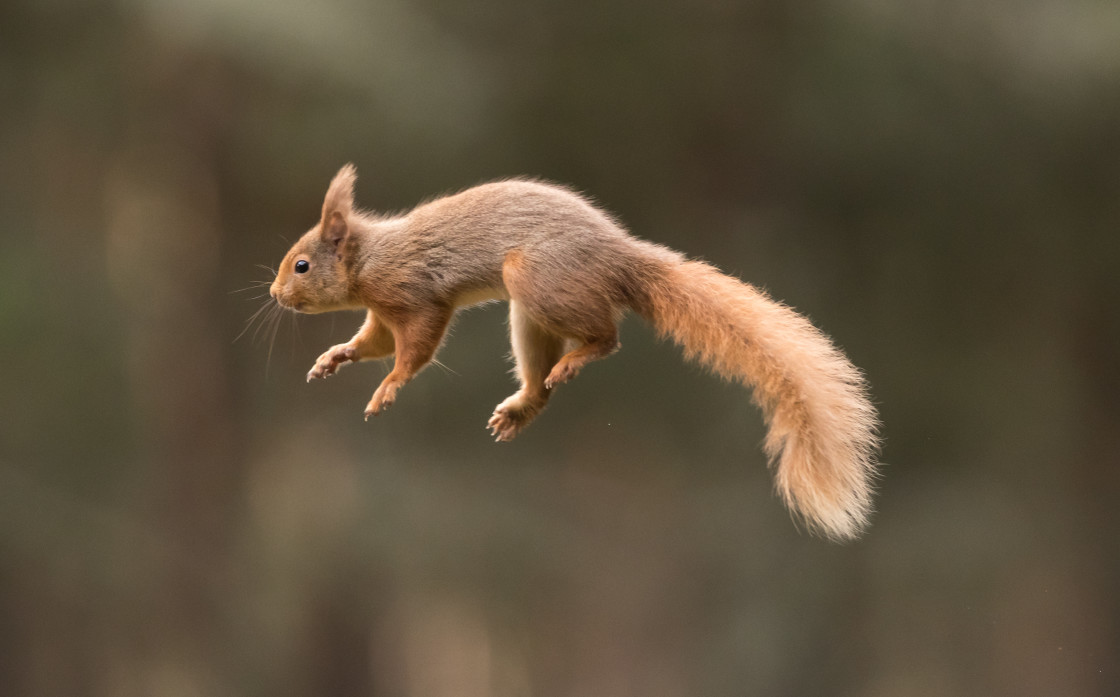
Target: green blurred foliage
<point>937,185</point>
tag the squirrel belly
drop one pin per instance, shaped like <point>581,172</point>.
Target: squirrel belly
<point>569,272</point>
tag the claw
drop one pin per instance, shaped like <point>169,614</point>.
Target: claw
<point>328,363</point>
<point>503,425</point>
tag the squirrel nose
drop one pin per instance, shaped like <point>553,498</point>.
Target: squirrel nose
<point>272,291</point>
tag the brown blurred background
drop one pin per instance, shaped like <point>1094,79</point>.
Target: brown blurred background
<point>936,184</point>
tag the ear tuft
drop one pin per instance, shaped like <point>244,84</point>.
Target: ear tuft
<point>340,194</point>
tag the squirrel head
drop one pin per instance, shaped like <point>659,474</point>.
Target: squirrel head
<point>313,277</point>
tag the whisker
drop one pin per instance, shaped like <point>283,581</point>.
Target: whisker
<point>298,342</point>
<point>256,297</point>
<point>276,319</point>
<point>441,365</point>
<point>267,268</point>
<point>273,310</point>
<point>252,286</point>
<point>252,318</point>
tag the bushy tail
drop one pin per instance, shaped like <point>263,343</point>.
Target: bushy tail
<point>822,428</point>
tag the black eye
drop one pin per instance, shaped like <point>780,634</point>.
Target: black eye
<point>302,266</point>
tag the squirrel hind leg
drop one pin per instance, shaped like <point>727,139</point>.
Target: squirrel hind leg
<point>536,351</point>
<point>590,349</point>
<point>575,306</point>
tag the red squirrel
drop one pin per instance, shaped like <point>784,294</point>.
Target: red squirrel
<point>569,271</point>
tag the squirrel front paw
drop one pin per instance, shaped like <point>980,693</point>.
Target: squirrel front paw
<point>331,359</point>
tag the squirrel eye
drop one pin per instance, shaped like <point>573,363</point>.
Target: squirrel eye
<point>302,266</point>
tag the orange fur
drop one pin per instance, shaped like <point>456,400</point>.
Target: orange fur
<point>569,272</point>
<point>821,437</point>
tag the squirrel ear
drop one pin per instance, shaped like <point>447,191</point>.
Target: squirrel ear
<point>335,229</point>
<point>340,194</point>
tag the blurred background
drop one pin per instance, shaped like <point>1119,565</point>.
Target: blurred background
<point>936,184</point>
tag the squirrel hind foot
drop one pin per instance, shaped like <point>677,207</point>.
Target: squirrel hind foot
<point>510,417</point>
<point>572,362</point>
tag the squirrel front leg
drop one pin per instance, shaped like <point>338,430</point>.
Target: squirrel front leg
<point>373,340</point>
<point>417,336</point>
